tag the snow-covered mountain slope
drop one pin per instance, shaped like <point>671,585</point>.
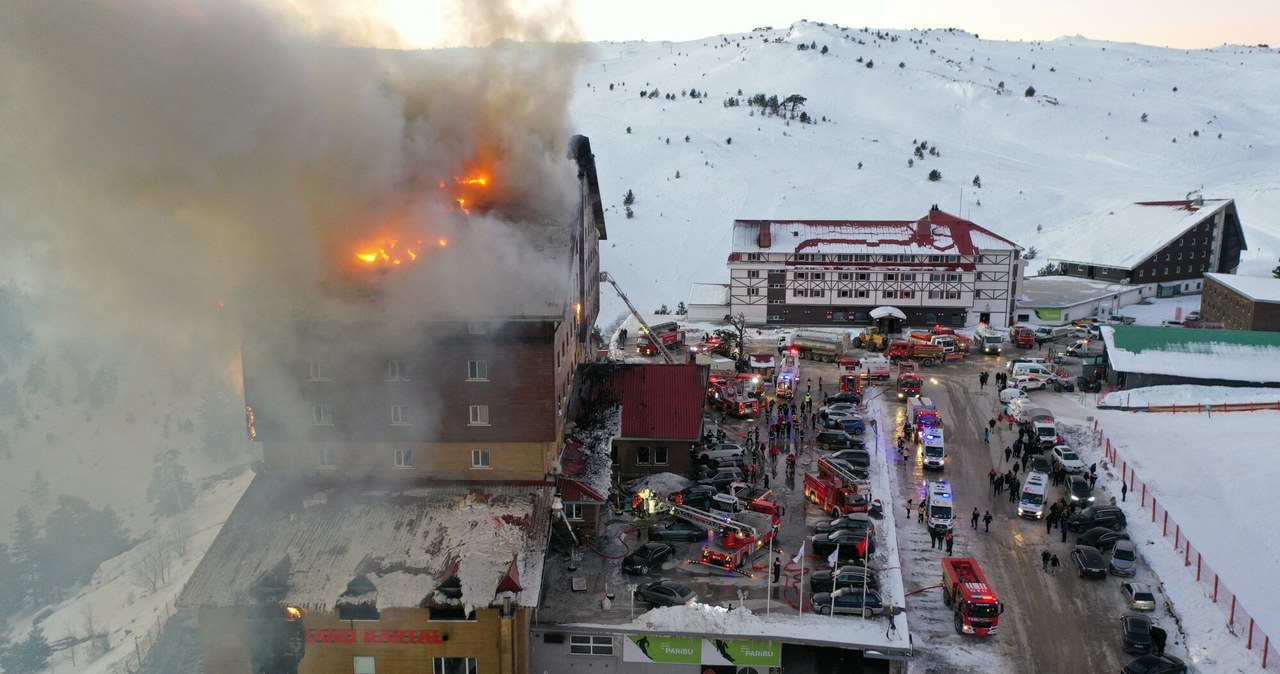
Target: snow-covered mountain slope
<point>1078,145</point>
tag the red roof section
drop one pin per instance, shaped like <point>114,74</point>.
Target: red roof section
<point>913,232</point>
<point>511,579</point>
<point>661,402</point>
<point>576,492</point>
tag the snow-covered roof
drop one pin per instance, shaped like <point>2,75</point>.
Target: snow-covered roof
<point>1256,288</point>
<point>938,233</point>
<point>1234,355</point>
<point>716,294</point>
<point>1065,291</point>
<point>1126,236</point>
<point>407,539</point>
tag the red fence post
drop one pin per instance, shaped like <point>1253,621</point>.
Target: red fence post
<point>1215,588</point>
<point>1266,648</point>
<point>1198,560</point>
<point>1177,535</point>
<point>1249,644</point>
<point>1153,509</point>
<point>1232,619</point>
<point>1144,495</point>
<point>1165,533</point>
<point>1186,556</point>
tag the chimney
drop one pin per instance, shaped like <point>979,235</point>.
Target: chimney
<point>924,229</point>
<point>764,240</point>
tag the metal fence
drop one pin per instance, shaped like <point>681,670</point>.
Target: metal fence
<point>1239,621</point>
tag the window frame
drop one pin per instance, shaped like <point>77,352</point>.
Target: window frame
<point>594,644</point>
<point>358,661</point>
<point>477,370</point>
<point>400,415</point>
<point>403,458</point>
<point>325,457</point>
<point>321,414</point>
<point>397,370</point>
<point>481,459</point>
<point>478,415</point>
<point>471,664</point>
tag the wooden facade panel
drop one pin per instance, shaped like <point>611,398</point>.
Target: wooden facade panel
<point>438,461</point>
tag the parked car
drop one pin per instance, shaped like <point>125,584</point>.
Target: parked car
<point>845,576</point>
<point>1155,664</point>
<point>1124,559</point>
<point>845,422</point>
<point>721,452</point>
<point>678,531</point>
<point>699,495</point>
<point>1088,561</point>
<point>844,397</point>
<point>1067,458</point>
<point>1062,384</point>
<point>836,440</point>
<point>852,545</point>
<point>831,408</point>
<point>855,521</point>
<point>858,458</point>
<point>1028,382</point>
<point>1192,316</point>
<point>646,557</point>
<point>665,593</point>
<point>1088,385</point>
<point>849,600</point>
<point>1139,595</point>
<point>1098,516</point>
<point>1011,394</point>
<point>1136,631</point>
<point>1102,538</point>
<point>1040,464</point>
<point>1078,490</point>
<point>722,477</point>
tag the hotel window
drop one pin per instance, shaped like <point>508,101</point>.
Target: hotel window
<point>891,277</point>
<point>404,458</point>
<point>325,457</point>
<point>363,664</point>
<point>753,291</point>
<point>590,644</point>
<point>843,258</point>
<point>935,277</point>
<point>753,273</point>
<point>889,258</point>
<point>799,292</point>
<point>842,293</point>
<point>777,317</point>
<point>953,294</point>
<point>817,293</point>
<point>863,276</point>
<point>399,415</point>
<point>453,666</point>
<point>775,300</point>
<point>815,276</point>
<point>861,258</point>
<point>977,275</point>
<point>953,258</point>
<point>317,371</point>
<point>477,370</point>
<point>935,258</point>
<point>906,294</point>
<point>775,284</point>
<point>480,459</point>
<point>321,415</point>
<point>479,415</point>
<point>861,293</point>
<point>753,257</point>
<point>845,276</point>
<point>661,456</point>
<point>953,277</point>
<point>802,276</point>
<point>907,277</point>
<point>397,370</point>
<point>935,295</point>
<point>890,294</point>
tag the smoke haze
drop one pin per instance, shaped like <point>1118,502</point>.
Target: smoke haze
<point>170,169</point>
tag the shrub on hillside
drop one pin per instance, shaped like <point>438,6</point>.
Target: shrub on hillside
<point>935,175</point>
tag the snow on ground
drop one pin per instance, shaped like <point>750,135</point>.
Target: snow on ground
<point>1208,471</point>
<point>120,608</point>
<point>1153,311</point>
<point>1184,394</point>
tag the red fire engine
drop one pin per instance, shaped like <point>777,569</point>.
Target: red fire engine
<point>739,536</point>
<point>965,589</point>
<point>836,490</point>
<point>733,396</point>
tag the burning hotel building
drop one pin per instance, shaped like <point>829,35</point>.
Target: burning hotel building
<point>400,516</point>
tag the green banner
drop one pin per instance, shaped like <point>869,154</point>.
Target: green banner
<point>741,652</point>
<point>654,648</point>
<point>1049,314</point>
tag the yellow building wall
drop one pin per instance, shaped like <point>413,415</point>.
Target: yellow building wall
<point>441,461</point>
<point>500,646</point>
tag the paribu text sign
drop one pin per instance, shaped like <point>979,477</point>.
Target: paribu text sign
<point>328,636</point>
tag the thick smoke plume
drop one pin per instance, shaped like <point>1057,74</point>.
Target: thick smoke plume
<point>173,169</point>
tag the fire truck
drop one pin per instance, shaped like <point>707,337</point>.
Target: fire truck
<point>962,343</point>
<point>950,344</point>
<point>989,339</point>
<point>733,396</point>
<point>925,353</point>
<point>836,490</point>
<point>850,379</point>
<point>1023,337</point>
<point>909,380</point>
<point>739,536</point>
<point>976,607</point>
<point>668,333</point>
<point>788,374</point>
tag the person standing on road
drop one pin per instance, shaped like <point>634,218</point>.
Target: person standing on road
<point>991,475</point>
<point>920,512</point>
<point>777,568</point>
<point>986,519</point>
<point>1044,562</point>
<point>974,519</point>
<point>1008,453</point>
<point>1124,490</point>
<point>933,538</point>
<point>910,505</point>
<point>1050,522</point>
<point>1053,565</point>
<point>950,541</point>
<point>986,435</point>
<point>1158,639</point>
<point>1026,458</point>
<point>982,379</point>
<point>999,483</point>
<point>1066,524</point>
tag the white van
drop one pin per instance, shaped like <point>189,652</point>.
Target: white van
<point>941,511</point>
<point>1032,499</point>
<point>877,368</point>
<point>935,450</point>
<point>1033,368</point>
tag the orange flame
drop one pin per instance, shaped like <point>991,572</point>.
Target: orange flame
<point>388,253</point>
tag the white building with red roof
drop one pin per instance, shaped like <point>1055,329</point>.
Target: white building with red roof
<point>940,269</point>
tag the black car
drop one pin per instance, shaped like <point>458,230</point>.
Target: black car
<point>837,440</point>
<point>699,495</point>
<point>855,521</point>
<point>845,576</point>
<point>1136,629</point>
<point>665,593</point>
<point>678,531</point>
<point>722,477</point>
<point>1089,561</point>
<point>1060,385</point>
<point>853,545</point>
<point>1098,516</point>
<point>1040,464</point>
<point>849,600</point>
<point>1102,538</point>
<point>858,458</point>
<point>1078,490</point>
<point>844,397</point>
<point>1089,385</point>
<point>1155,664</point>
<point>647,556</point>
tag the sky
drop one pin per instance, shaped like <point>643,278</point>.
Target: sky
<point>1187,24</point>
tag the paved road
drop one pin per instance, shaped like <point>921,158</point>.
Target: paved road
<point>1052,623</point>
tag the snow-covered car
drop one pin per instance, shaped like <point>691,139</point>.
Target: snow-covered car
<point>1067,458</point>
<point>849,600</point>
<point>1011,394</point>
<point>665,593</point>
<point>1029,382</point>
<point>1139,596</point>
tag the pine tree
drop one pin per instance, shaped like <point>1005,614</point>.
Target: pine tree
<point>629,198</point>
<point>170,492</point>
<point>1031,91</point>
<point>1276,272</point>
<point>977,182</point>
<point>681,310</point>
<point>29,656</point>
<point>24,550</point>
<point>935,175</point>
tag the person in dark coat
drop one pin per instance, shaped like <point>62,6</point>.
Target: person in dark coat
<point>986,519</point>
<point>1044,563</point>
<point>1124,490</point>
<point>950,537</point>
<point>1158,639</point>
<point>777,568</point>
<point>974,519</point>
<point>1008,453</point>
<point>1066,524</point>
<point>1053,565</point>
